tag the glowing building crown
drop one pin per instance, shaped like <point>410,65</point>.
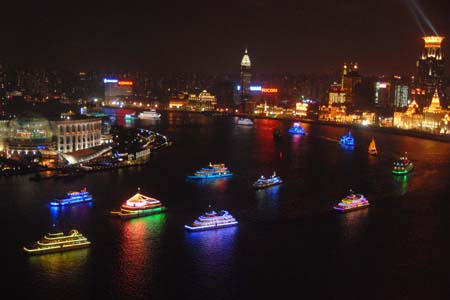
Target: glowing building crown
<point>246,60</point>
<point>433,41</point>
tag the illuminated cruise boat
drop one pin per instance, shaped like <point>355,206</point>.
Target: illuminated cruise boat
<point>347,139</point>
<point>402,166</point>
<point>139,206</point>
<point>352,202</point>
<point>263,182</point>
<point>297,129</point>
<point>245,121</point>
<point>149,114</point>
<point>212,171</point>
<point>72,198</point>
<point>58,242</point>
<point>212,220</point>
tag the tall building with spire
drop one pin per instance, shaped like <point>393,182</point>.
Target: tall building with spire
<point>430,71</point>
<point>245,78</point>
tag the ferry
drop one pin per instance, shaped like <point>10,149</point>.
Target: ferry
<point>352,202</point>
<point>245,121</point>
<point>58,242</point>
<point>212,220</point>
<point>402,166</point>
<point>347,139</point>
<point>263,182</point>
<point>212,171</point>
<point>72,198</point>
<point>297,129</point>
<point>139,206</point>
<point>149,114</point>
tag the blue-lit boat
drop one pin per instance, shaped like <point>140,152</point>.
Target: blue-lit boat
<point>72,198</point>
<point>347,139</point>
<point>212,220</point>
<point>263,182</point>
<point>212,171</point>
<point>402,166</point>
<point>297,129</point>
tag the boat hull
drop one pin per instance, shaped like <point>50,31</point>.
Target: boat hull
<point>203,228</point>
<point>403,171</point>
<point>258,187</point>
<point>56,250</point>
<point>340,209</point>
<point>209,177</point>
<point>125,215</point>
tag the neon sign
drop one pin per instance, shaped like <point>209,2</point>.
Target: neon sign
<point>123,82</point>
<point>254,88</point>
<point>110,80</point>
<point>269,90</point>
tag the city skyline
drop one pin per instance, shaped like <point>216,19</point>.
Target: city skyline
<point>383,37</point>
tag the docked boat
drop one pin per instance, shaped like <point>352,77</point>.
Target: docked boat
<point>139,206</point>
<point>72,198</point>
<point>352,202</point>
<point>244,121</point>
<point>372,148</point>
<point>348,139</point>
<point>212,171</point>
<point>149,114</point>
<point>212,220</point>
<point>297,129</point>
<point>264,182</point>
<point>131,116</point>
<point>58,242</point>
<point>402,166</point>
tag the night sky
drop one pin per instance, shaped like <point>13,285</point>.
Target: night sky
<point>210,36</point>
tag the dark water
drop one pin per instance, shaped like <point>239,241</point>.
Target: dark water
<point>289,244</point>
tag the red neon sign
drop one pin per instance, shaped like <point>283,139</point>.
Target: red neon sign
<point>121,82</point>
<point>269,90</point>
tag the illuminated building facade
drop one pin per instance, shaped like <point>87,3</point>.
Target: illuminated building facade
<point>77,134</point>
<point>350,80</point>
<point>204,101</point>
<point>336,95</point>
<point>410,119</point>
<point>433,115</point>
<point>401,95</point>
<point>245,78</point>
<point>430,70</point>
<point>382,94</point>
<point>117,90</point>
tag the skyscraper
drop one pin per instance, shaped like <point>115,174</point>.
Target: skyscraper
<point>430,71</point>
<point>350,80</point>
<point>245,78</point>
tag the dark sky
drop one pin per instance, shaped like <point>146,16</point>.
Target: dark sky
<point>210,36</point>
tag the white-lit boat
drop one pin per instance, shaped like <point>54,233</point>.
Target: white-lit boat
<point>149,114</point>
<point>244,121</point>
<point>264,182</point>
<point>139,206</point>
<point>212,220</point>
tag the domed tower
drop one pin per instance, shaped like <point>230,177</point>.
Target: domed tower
<point>246,77</point>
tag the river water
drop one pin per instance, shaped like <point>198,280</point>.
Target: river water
<point>289,243</point>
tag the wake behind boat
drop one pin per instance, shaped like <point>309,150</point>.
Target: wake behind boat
<point>212,220</point>
<point>212,171</point>
<point>264,182</point>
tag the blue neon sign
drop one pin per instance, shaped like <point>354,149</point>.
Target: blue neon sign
<point>110,80</point>
<point>254,88</point>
